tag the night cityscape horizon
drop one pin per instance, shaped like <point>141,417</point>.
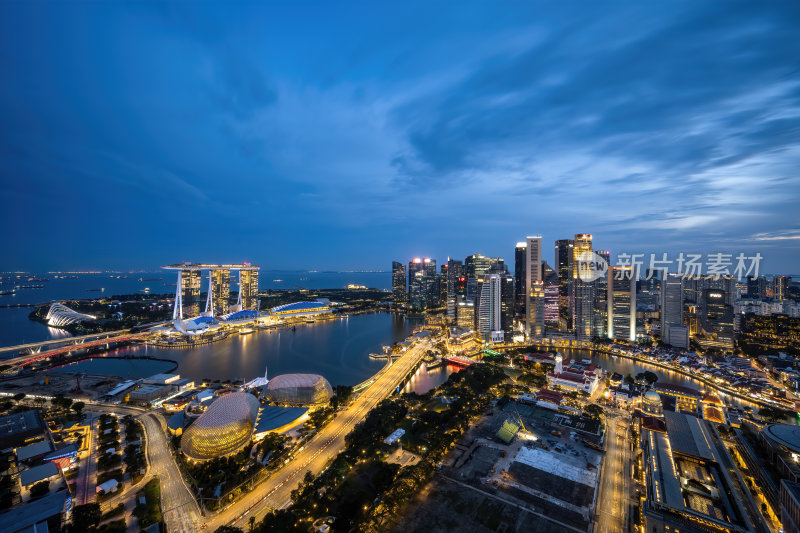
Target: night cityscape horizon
<point>397,268</point>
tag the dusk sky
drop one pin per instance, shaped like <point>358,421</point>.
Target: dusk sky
<point>345,135</point>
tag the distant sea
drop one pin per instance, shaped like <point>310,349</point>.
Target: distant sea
<point>17,328</point>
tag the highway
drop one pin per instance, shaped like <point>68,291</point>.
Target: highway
<point>274,493</point>
<point>27,359</point>
<point>613,502</point>
<point>66,340</point>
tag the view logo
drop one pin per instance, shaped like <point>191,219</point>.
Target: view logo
<point>591,266</point>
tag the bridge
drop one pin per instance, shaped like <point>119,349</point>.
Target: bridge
<point>25,360</point>
<point>36,347</point>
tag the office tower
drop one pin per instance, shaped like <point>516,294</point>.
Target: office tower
<point>443,276</point>
<point>221,291</point>
<point>621,303</point>
<point>533,273</point>
<point>717,318</point>
<point>536,308</point>
<point>423,283</point>
<point>507,304</point>
<point>520,277</point>
<point>563,268</point>
<point>780,290</point>
<point>477,265</point>
<point>756,287</point>
<point>248,288</point>
<point>399,291</point>
<point>190,289</point>
<point>601,298</point>
<point>489,316</point>
<point>582,283</point>
<point>551,315</point>
<point>673,330</point>
<point>455,270</point>
<point>465,314</point>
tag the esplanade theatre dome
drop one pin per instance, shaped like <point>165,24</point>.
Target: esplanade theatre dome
<point>305,389</point>
<point>223,429</point>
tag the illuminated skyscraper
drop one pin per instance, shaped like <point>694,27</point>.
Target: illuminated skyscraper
<point>520,277</point>
<point>489,309</point>
<point>717,318</point>
<point>601,298</point>
<point>455,270</point>
<point>673,330</point>
<point>507,304</point>
<point>582,283</point>
<point>781,285</point>
<point>465,314</point>
<point>536,310</point>
<point>563,268</point>
<point>399,293</point>
<point>533,273</point>
<point>621,303</point>
<point>248,287</point>
<point>190,289</point>
<point>551,304</point>
<point>221,291</point>
<point>423,283</point>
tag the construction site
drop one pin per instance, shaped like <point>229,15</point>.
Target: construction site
<point>519,465</point>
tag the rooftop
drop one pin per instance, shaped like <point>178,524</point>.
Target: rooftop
<point>37,473</point>
<point>271,417</point>
<point>785,435</point>
<point>33,450</point>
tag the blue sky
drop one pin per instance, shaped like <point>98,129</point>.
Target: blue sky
<point>345,135</point>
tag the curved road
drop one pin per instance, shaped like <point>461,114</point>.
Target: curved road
<point>274,493</point>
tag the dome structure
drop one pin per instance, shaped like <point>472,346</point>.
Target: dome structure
<point>651,403</point>
<point>223,429</point>
<point>300,389</point>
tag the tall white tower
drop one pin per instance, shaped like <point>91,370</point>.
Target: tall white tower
<point>559,364</point>
<point>533,273</point>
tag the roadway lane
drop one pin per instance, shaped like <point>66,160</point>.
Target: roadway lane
<point>66,340</point>
<point>615,483</point>
<point>274,493</point>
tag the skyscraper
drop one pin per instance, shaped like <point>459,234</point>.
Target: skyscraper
<point>455,270</point>
<point>582,282</point>
<point>399,291</point>
<point>190,289</point>
<point>781,285</point>
<point>536,310</point>
<point>248,287</point>
<point>563,268</point>
<point>756,287</point>
<point>533,273</point>
<point>520,277</point>
<point>465,314</point>
<point>423,283</point>
<point>622,303</point>
<point>507,304</point>
<point>673,331</point>
<point>221,291</point>
<point>489,308</point>
<point>717,318</point>
<point>601,298</point>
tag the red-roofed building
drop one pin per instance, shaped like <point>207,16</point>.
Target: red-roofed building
<point>573,382</point>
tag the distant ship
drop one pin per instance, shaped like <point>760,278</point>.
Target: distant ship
<point>151,279</point>
<point>38,280</point>
<point>277,281</point>
<point>101,289</point>
<point>146,289</point>
<point>7,292</point>
<point>30,286</point>
<point>245,331</point>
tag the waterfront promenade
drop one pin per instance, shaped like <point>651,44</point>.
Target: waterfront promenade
<point>274,493</point>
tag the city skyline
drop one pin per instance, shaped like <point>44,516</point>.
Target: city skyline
<point>162,129</point>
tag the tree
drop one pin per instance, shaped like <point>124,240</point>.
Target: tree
<point>593,411</point>
<point>650,377</point>
<point>78,407</point>
<point>86,516</point>
<point>228,529</point>
<point>18,397</point>
<point>629,379</point>
<point>252,523</point>
<point>40,489</point>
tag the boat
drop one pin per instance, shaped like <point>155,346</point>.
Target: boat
<point>146,289</point>
<point>277,281</point>
<point>30,286</point>
<point>245,331</point>
<point>436,363</point>
<point>101,289</point>
<point>8,293</point>
<point>151,279</point>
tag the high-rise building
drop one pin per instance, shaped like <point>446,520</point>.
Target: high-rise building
<point>717,318</point>
<point>621,303</point>
<point>520,277</point>
<point>190,289</point>
<point>248,288</point>
<point>507,304</point>
<point>673,330</point>
<point>536,310</point>
<point>601,298</point>
<point>465,314</point>
<point>780,290</point>
<point>533,273</point>
<point>489,308</point>
<point>582,283</point>
<point>399,291</point>
<point>551,316</point>
<point>423,283</point>
<point>221,291</point>
<point>756,287</point>
<point>455,270</point>
<point>443,276</point>
<point>563,268</point>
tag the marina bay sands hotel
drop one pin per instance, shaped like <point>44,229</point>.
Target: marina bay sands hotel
<point>187,295</point>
